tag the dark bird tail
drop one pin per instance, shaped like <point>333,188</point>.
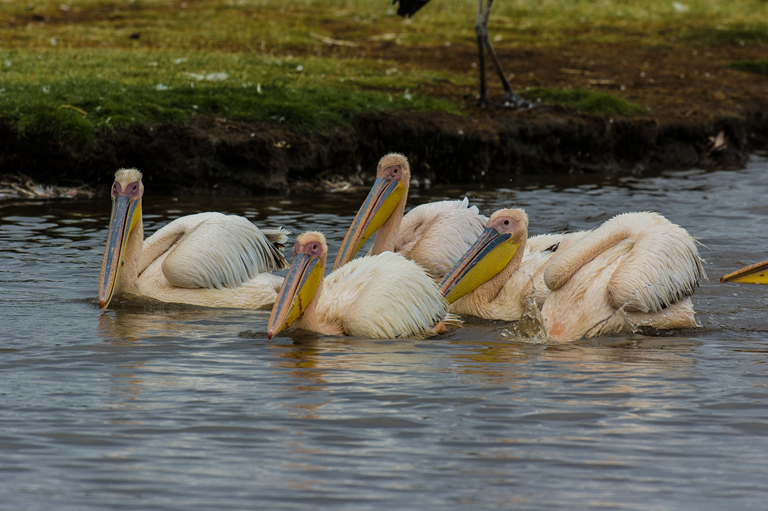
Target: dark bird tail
<point>408,8</point>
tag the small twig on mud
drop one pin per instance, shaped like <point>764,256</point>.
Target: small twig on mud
<point>85,114</point>
<point>332,42</point>
<point>576,71</point>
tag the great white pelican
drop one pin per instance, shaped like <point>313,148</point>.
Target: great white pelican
<point>506,294</point>
<point>637,269</point>
<point>382,297</point>
<point>435,235</point>
<point>207,259</point>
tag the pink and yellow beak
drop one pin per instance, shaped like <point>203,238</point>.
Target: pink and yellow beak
<point>377,208</point>
<point>492,251</point>
<point>753,274</point>
<point>126,213</point>
<point>297,291</point>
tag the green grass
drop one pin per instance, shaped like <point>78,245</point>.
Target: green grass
<point>752,66</point>
<point>584,100</point>
<point>280,25</point>
<point>69,95</point>
<point>737,35</point>
<point>71,68</point>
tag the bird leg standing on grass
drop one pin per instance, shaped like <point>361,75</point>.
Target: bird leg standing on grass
<point>511,100</point>
<point>408,8</point>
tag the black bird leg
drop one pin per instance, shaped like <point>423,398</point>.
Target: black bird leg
<point>511,100</point>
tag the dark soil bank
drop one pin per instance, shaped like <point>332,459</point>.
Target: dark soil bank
<point>243,159</point>
<point>692,96</point>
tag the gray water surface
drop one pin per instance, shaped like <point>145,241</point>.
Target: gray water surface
<point>159,406</point>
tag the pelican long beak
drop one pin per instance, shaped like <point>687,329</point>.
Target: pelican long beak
<point>377,208</point>
<point>488,256</point>
<point>298,289</point>
<point>126,212</point>
<point>753,274</point>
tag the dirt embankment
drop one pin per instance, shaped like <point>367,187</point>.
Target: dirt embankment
<point>691,95</point>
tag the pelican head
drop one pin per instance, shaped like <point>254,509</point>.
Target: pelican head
<point>491,253</point>
<point>127,191</point>
<point>301,282</point>
<point>392,177</point>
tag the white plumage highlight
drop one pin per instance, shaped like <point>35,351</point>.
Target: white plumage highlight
<point>382,296</point>
<point>216,251</point>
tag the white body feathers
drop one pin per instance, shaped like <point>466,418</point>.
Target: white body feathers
<point>637,269</point>
<point>209,259</point>
<point>382,296</point>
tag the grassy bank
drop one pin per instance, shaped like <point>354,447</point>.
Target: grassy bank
<point>258,25</point>
<point>70,68</point>
<point>70,93</point>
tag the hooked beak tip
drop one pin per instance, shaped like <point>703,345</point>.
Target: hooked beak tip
<point>103,304</point>
<point>270,334</point>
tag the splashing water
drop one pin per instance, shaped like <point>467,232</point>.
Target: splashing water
<point>530,327</point>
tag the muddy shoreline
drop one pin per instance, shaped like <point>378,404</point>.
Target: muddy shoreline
<point>692,96</point>
<point>212,155</point>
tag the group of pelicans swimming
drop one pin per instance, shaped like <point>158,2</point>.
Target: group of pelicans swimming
<point>425,268</point>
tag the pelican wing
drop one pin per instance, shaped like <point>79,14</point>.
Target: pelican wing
<point>662,268</point>
<point>212,250</point>
<point>653,262</point>
<point>437,234</point>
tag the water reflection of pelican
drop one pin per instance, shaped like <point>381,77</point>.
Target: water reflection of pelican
<point>207,259</point>
<point>635,269</point>
<point>435,235</point>
<point>317,363</point>
<point>315,359</point>
<point>511,362</point>
<point>383,296</point>
<point>145,318</point>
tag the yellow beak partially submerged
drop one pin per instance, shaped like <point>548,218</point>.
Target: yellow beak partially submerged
<point>753,274</point>
<point>126,212</point>
<point>297,291</point>
<point>488,256</point>
<point>377,208</point>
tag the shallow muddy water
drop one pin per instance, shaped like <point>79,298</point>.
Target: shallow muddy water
<point>157,406</point>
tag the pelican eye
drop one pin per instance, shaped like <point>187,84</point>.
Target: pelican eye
<point>506,222</point>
